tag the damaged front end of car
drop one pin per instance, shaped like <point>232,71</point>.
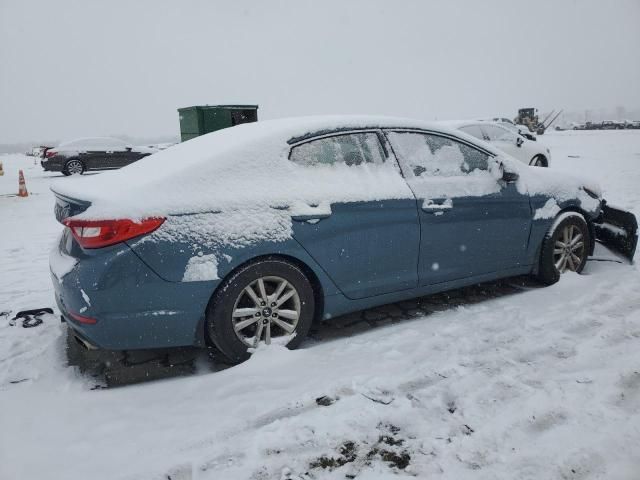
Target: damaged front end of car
<point>617,230</point>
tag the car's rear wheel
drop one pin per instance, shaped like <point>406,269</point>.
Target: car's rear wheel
<point>73,167</point>
<point>565,247</point>
<point>538,161</point>
<point>270,301</point>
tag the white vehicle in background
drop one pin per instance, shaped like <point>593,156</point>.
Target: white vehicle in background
<point>498,120</point>
<point>519,129</point>
<point>506,139</point>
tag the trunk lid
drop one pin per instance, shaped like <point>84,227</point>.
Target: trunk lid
<point>66,207</point>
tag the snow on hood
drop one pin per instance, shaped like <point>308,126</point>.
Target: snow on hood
<point>562,187</point>
<point>244,165</point>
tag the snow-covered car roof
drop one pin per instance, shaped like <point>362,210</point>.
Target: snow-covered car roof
<point>244,168</point>
<point>83,143</point>
<point>240,162</point>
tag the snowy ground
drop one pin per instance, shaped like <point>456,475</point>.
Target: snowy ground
<point>539,383</point>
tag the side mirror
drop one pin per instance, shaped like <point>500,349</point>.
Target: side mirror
<point>418,170</point>
<point>519,141</point>
<point>509,177</point>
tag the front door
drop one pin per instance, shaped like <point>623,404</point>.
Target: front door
<point>471,223</point>
<point>367,243</point>
<point>505,140</point>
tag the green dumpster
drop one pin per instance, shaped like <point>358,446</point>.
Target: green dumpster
<point>201,119</point>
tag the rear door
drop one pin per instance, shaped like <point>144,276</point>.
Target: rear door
<point>112,154</point>
<point>471,224</point>
<point>367,247</point>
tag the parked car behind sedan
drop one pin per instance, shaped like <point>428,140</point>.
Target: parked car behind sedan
<point>504,138</point>
<point>85,154</point>
<point>612,125</point>
<point>249,234</point>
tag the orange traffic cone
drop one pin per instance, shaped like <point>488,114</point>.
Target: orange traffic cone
<point>22,186</point>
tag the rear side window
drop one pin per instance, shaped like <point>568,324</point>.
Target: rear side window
<point>474,131</point>
<point>422,154</point>
<point>350,149</point>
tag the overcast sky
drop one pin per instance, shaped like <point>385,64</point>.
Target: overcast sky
<point>86,68</point>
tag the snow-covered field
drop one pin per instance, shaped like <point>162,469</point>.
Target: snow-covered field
<point>540,384</point>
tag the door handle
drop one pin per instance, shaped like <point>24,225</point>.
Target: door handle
<point>312,213</point>
<point>311,218</point>
<point>437,205</point>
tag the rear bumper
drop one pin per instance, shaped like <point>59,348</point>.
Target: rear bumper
<point>132,306</point>
<point>51,166</point>
<point>617,229</point>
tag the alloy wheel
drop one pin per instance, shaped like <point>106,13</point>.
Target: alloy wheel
<point>267,309</point>
<point>74,167</point>
<point>569,249</point>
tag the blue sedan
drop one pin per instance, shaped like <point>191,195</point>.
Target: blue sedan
<point>250,234</point>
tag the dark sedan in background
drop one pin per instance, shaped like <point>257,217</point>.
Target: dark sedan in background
<point>100,153</point>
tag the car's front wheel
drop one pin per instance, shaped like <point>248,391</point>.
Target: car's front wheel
<point>268,301</point>
<point>565,247</point>
<point>73,167</point>
<point>538,161</point>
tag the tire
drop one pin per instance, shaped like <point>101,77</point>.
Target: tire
<point>553,251</point>
<point>539,161</point>
<point>232,296</point>
<point>73,166</point>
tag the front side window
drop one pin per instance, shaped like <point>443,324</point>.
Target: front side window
<point>474,131</point>
<point>498,134</point>
<point>350,149</point>
<point>422,155</point>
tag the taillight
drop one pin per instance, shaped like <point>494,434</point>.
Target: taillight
<point>49,153</point>
<point>102,233</point>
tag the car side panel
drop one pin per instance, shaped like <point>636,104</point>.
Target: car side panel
<point>134,307</point>
<point>477,235</point>
<point>512,149</point>
<point>130,157</point>
<point>530,150</point>
<point>540,226</point>
<point>367,248</point>
<point>339,304</point>
<point>169,258</point>
<point>53,164</point>
<point>95,160</point>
